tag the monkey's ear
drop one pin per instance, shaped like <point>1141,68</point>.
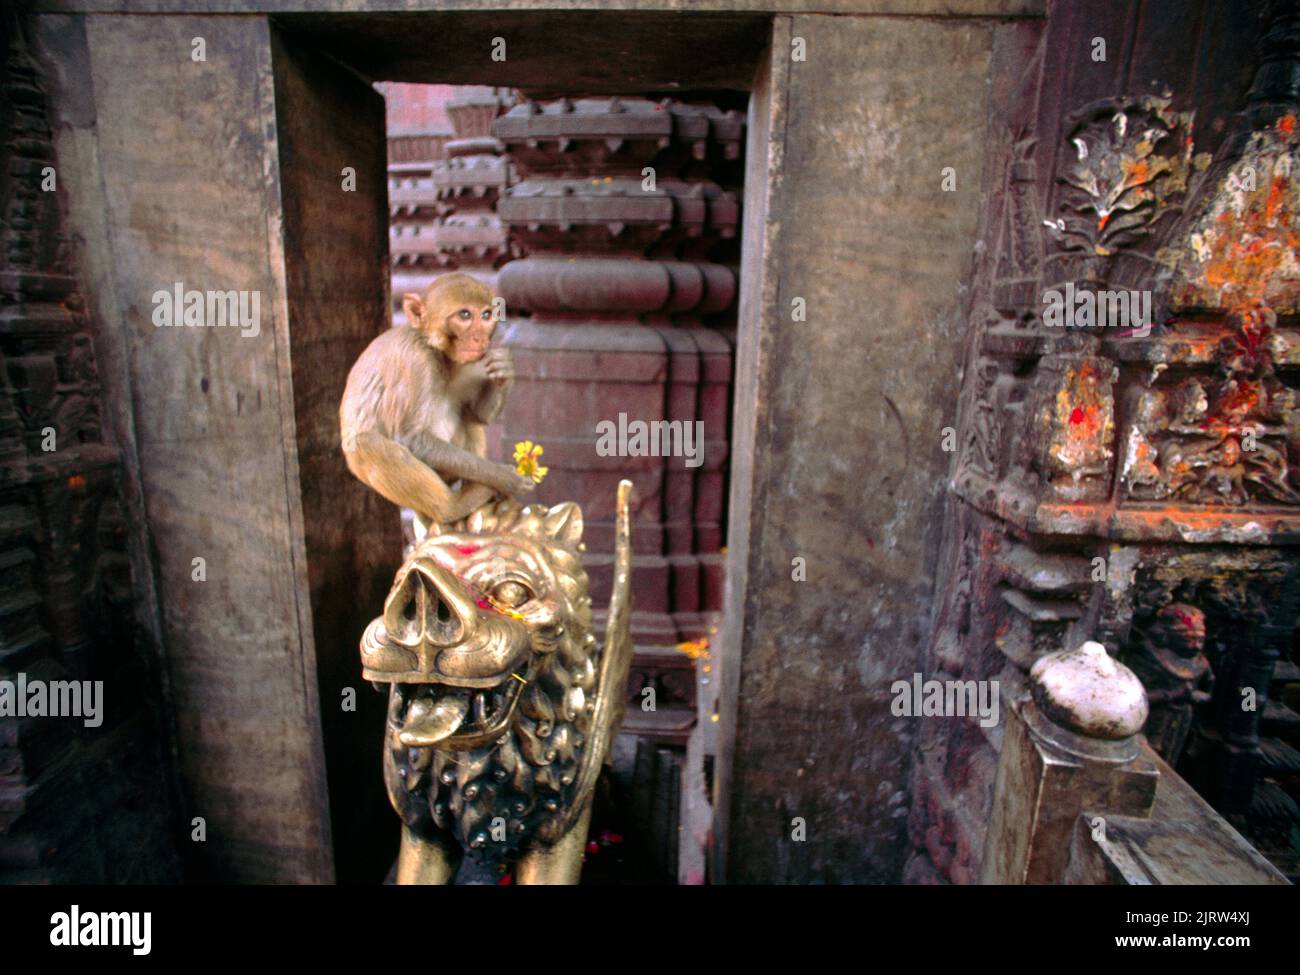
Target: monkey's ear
<point>413,306</point>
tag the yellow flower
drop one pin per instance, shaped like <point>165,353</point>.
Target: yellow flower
<point>526,454</point>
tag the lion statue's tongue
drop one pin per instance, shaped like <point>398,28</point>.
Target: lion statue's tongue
<point>429,721</point>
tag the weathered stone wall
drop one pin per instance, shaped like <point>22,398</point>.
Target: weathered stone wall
<point>845,410</point>
<point>87,796</point>
<point>186,189</point>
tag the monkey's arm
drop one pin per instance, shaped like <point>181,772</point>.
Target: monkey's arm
<point>498,371</point>
<point>455,462</point>
<point>399,476</point>
<point>490,401</point>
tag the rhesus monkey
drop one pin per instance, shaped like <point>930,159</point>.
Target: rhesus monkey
<point>418,401</point>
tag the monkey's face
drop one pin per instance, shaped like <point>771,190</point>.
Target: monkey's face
<point>457,316</point>
<point>469,332</point>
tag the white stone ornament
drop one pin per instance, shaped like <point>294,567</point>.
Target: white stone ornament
<point>1087,691</point>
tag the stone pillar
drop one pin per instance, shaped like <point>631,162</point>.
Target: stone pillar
<point>413,207</point>
<point>619,218</point>
<point>443,210</point>
<point>469,237</point>
<point>1073,745</point>
<point>233,432</point>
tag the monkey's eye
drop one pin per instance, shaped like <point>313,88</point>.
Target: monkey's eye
<point>464,314</point>
<point>511,594</point>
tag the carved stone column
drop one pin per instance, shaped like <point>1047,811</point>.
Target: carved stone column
<point>413,207</point>
<point>443,210</point>
<point>618,216</point>
<point>469,236</point>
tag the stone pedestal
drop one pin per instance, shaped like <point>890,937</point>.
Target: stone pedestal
<point>1073,745</point>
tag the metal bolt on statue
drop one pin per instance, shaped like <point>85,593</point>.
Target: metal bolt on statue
<point>502,704</point>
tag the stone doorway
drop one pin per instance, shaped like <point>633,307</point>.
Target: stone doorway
<point>627,269</point>
<point>607,213</point>
<point>610,225</point>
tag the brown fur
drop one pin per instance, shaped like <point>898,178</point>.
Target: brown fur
<point>418,401</point>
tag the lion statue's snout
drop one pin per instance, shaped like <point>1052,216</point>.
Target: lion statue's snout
<point>427,605</point>
<point>435,629</point>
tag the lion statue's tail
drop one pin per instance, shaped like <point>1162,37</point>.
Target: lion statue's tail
<point>615,659</point>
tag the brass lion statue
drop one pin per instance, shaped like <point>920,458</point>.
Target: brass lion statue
<point>502,706</point>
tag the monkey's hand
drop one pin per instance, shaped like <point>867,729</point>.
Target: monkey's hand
<point>523,485</point>
<point>500,366</point>
<point>498,370</point>
<point>510,483</point>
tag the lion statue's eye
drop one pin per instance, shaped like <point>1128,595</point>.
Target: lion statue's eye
<point>511,594</point>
